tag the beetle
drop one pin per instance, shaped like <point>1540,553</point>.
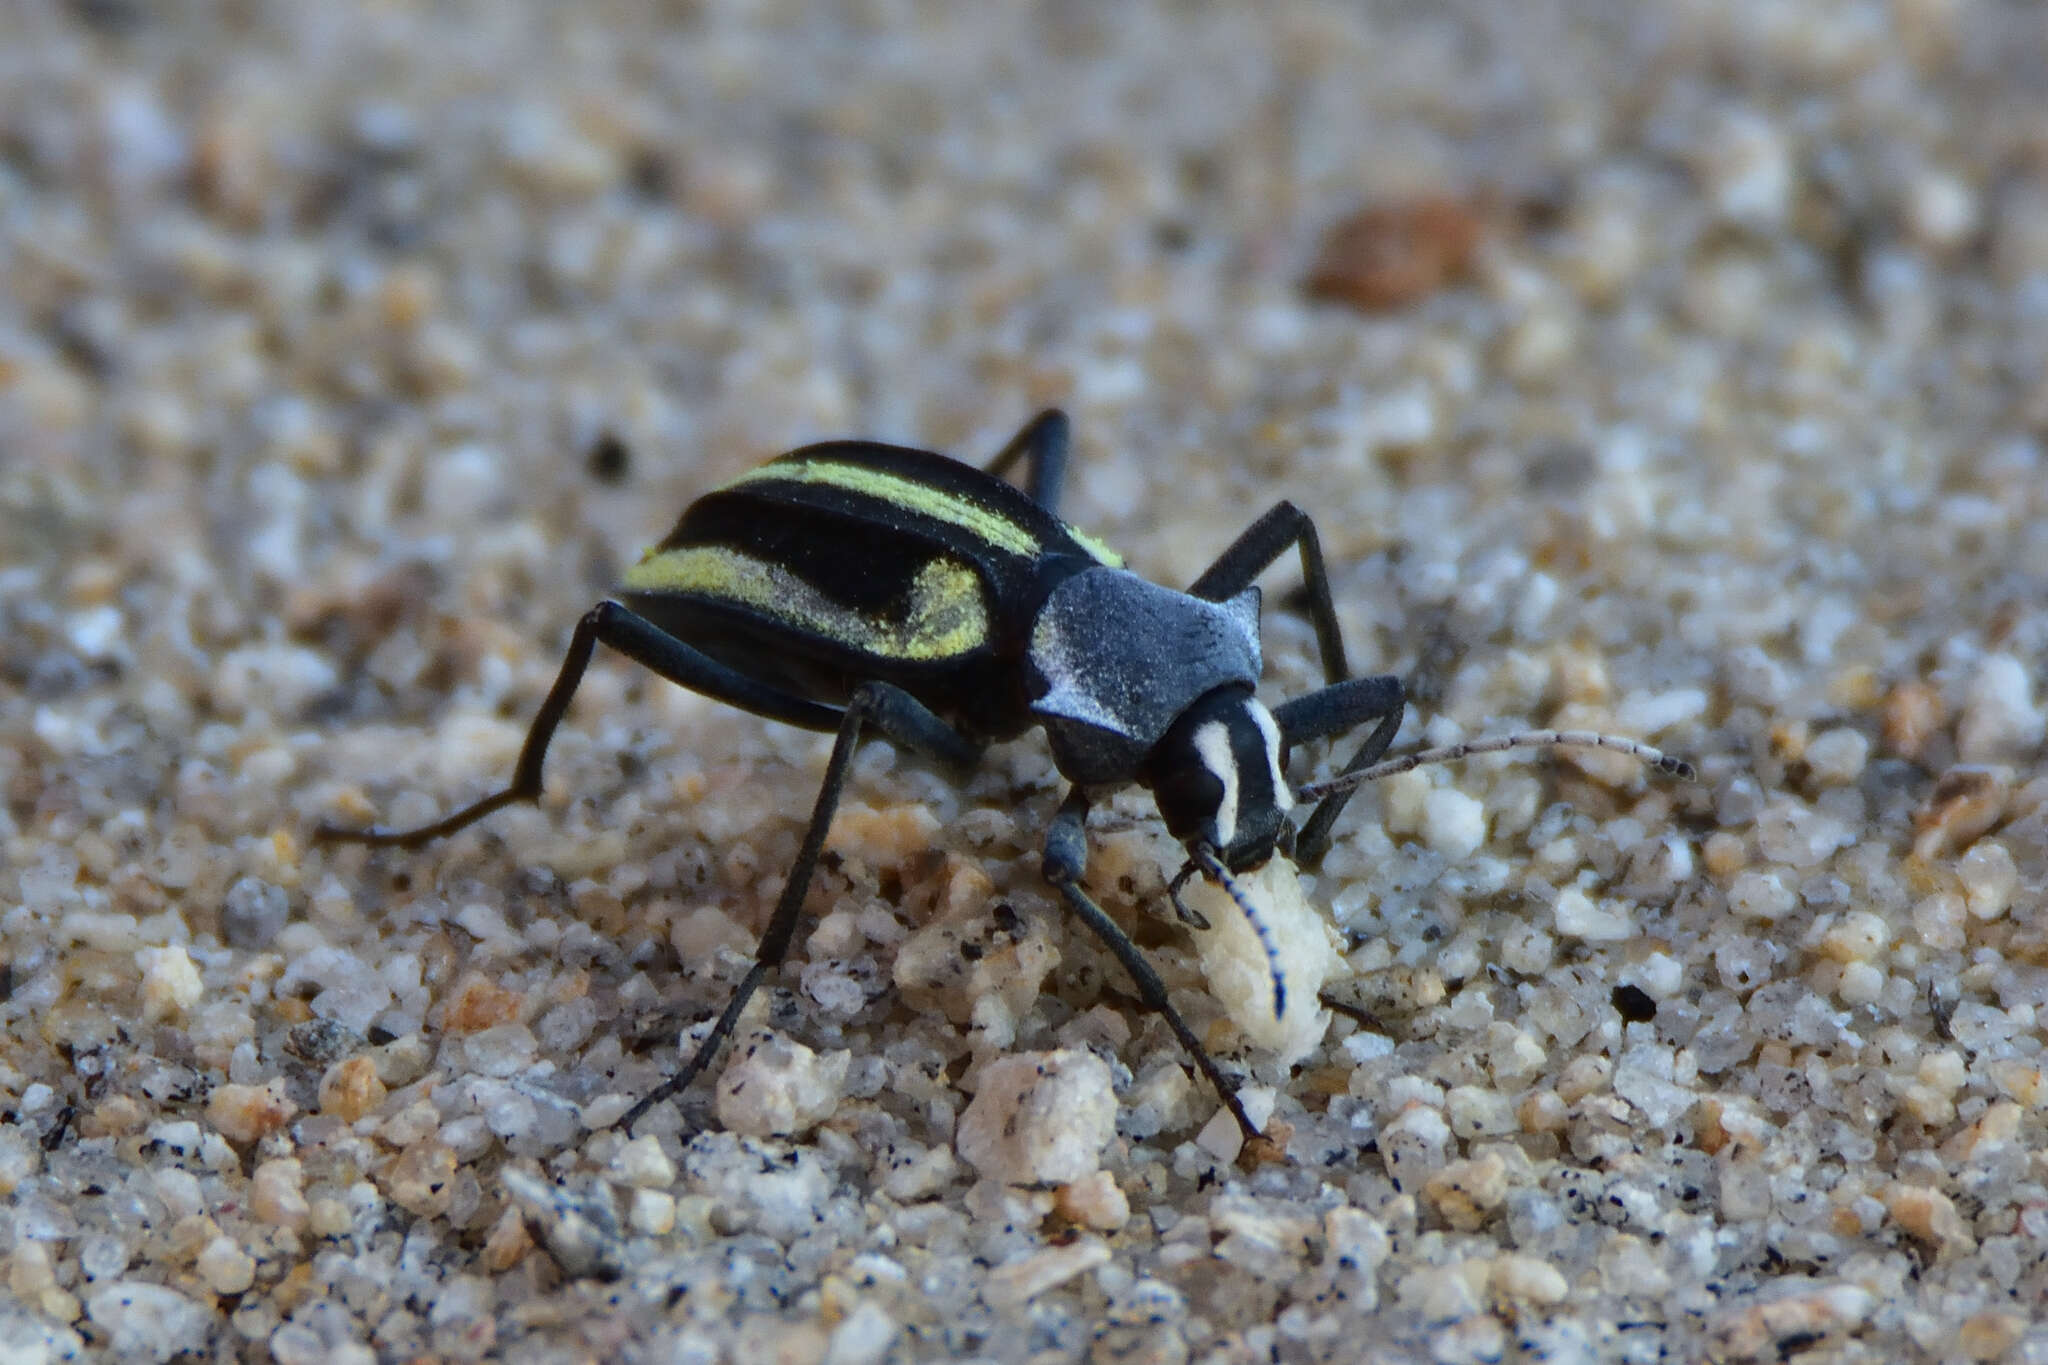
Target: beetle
<point>857,588</point>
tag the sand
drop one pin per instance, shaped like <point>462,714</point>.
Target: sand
<point>1688,378</point>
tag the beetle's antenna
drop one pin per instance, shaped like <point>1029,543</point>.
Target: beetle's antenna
<point>1523,739</point>
<point>1203,856</point>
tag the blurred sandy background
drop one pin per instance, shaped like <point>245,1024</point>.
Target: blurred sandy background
<point>1687,376</point>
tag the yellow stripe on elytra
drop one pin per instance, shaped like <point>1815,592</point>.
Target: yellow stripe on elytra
<point>923,499</point>
<point>1103,554</point>
<point>946,615</point>
<point>909,494</point>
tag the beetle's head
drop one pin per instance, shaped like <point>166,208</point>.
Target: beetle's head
<point>1216,778</point>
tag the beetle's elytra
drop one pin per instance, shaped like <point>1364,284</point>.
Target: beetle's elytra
<point>853,587</point>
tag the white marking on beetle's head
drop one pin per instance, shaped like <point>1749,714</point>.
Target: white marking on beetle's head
<point>1212,746</point>
<point>1283,795</point>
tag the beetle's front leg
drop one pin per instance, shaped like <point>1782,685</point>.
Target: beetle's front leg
<point>1331,711</point>
<point>1066,862</point>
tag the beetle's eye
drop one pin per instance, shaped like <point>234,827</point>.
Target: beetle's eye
<point>1187,795</point>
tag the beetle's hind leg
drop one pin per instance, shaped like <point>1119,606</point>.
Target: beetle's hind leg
<point>1042,443</point>
<point>896,715</point>
<point>1066,860</point>
<point>646,644</point>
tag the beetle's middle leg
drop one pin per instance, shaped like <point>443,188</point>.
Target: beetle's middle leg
<point>890,712</point>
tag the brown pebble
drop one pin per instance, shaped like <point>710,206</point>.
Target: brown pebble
<point>246,1113</point>
<point>1989,1335</point>
<point>1094,1201</point>
<point>1912,714</point>
<point>1724,854</point>
<point>1788,741</point>
<point>294,1289</point>
<point>351,1089</point>
<point>1757,1331</point>
<point>409,295</point>
<point>358,615</point>
<point>421,1179</point>
<point>190,1235</point>
<point>1930,1216</point>
<point>1966,802</point>
<point>1327,1080</point>
<point>1721,1122</point>
<point>479,1004</point>
<point>1466,1192</point>
<point>1542,1111</point>
<point>1856,688</point>
<point>1391,255</point>
<point>508,1242</point>
<point>231,169</point>
<point>277,1194</point>
<point>112,1116</point>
